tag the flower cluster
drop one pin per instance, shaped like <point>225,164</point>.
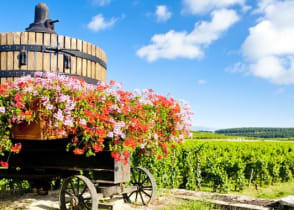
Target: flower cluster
<point>96,117</point>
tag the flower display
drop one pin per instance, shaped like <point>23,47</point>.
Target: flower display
<point>95,117</point>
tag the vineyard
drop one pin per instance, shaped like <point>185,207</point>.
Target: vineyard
<point>222,166</point>
<point>219,166</point>
<point>210,135</point>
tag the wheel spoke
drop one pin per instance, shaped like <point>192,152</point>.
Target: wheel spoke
<point>84,190</point>
<point>144,180</point>
<point>134,176</point>
<point>69,193</point>
<point>78,188</point>
<point>142,198</point>
<point>77,192</point>
<point>139,178</point>
<point>131,194</point>
<point>85,205</point>
<point>136,196</point>
<point>147,187</point>
<point>146,194</point>
<point>72,187</point>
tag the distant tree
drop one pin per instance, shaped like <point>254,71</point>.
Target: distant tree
<point>259,132</point>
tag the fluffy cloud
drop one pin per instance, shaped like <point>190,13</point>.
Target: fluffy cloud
<point>175,44</point>
<point>236,68</point>
<point>162,13</point>
<point>205,6</point>
<point>98,23</point>
<point>269,48</point>
<point>201,82</point>
<point>101,2</point>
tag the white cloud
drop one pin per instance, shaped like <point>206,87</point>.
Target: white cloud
<point>201,82</point>
<point>175,44</point>
<point>206,6</point>
<point>262,4</point>
<point>101,2</point>
<point>98,23</point>
<point>269,48</point>
<point>237,67</point>
<point>162,13</point>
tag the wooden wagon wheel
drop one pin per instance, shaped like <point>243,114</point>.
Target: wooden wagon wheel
<point>146,187</point>
<point>78,193</point>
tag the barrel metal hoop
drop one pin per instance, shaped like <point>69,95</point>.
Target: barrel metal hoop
<point>49,49</point>
<point>20,73</point>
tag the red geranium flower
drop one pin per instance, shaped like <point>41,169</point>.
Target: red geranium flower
<point>159,157</point>
<point>18,97</point>
<point>126,154</point>
<point>125,162</point>
<point>78,151</point>
<point>112,82</point>
<point>116,156</point>
<point>4,164</point>
<point>97,148</point>
<point>16,147</point>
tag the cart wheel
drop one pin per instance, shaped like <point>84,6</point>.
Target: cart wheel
<point>146,187</point>
<point>78,193</point>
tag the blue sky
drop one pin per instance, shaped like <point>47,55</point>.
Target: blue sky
<point>233,61</point>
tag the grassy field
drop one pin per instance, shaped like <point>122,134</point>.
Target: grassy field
<point>191,205</point>
<point>272,192</point>
<point>276,191</point>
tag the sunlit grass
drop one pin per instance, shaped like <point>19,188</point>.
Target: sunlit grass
<point>272,192</point>
<point>191,205</point>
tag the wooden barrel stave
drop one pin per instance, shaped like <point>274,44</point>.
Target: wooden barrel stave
<point>49,61</point>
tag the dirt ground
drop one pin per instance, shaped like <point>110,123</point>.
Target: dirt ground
<point>166,198</point>
<point>50,202</point>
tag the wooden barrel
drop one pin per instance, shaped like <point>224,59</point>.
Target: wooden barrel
<point>23,53</point>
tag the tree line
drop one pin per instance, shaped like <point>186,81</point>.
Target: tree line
<point>258,132</point>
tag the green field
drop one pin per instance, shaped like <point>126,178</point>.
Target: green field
<point>212,136</point>
<point>205,135</point>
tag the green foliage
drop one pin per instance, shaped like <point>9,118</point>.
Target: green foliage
<point>222,166</point>
<point>211,135</point>
<point>259,132</point>
<point>14,185</point>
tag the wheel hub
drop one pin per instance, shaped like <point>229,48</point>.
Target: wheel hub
<point>74,201</point>
<point>140,187</point>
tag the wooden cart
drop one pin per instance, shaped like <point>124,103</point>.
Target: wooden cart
<point>85,180</point>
